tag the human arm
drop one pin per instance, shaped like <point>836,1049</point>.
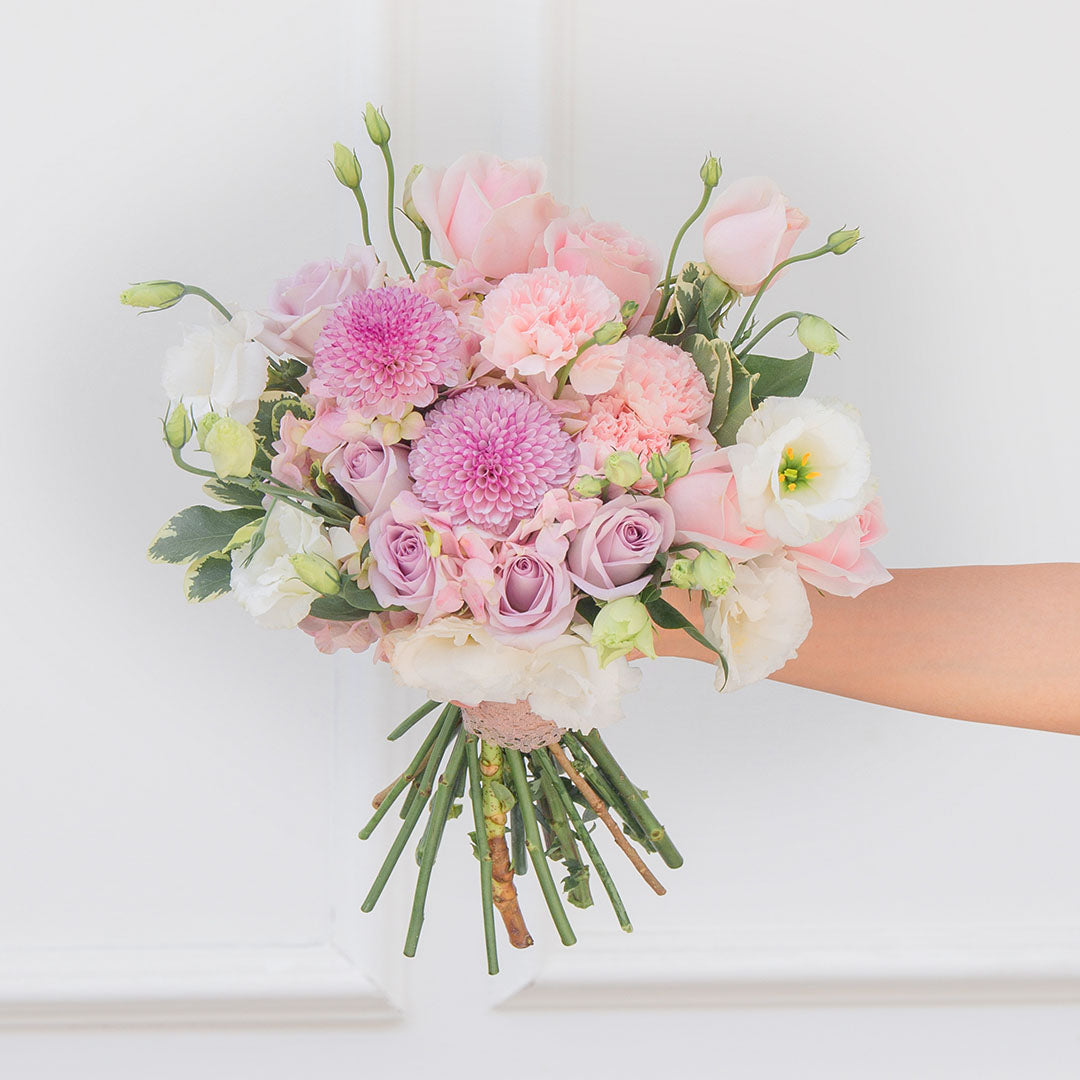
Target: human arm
<point>994,644</point>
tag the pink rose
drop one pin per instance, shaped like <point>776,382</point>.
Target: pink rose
<point>300,305</point>
<point>841,564</point>
<point>487,211</point>
<point>706,509</point>
<point>623,262</point>
<point>405,571</point>
<point>750,229</point>
<point>373,474</point>
<point>330,636</point>
<point>611,556</point>
<point>532,601</point>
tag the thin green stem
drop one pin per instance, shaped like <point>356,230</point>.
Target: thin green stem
<point>425,244</point>
<point>519,859</point>
<point>564,371</point>
<point>362,203</point>
<point>404,780</point>
<point>451,717</point>
<point>557,816</point>
<point>440,808</point>
<point>741,331</point>
<point>587,842</point>
<point>665,296</point>
<point>272,487</point>
<point>483,851</point>
<point>385,147</point>
<point>213,301</point>
<point>771,326</point>
<point>413,718</point>
<point>633,798</point>
<point>535,848</point>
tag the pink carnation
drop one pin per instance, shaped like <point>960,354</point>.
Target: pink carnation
<point>386,350</point>
<point>488,455</point>
<point>534,323</point>
<point>659,393</point>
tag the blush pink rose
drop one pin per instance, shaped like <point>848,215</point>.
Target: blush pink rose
<point>706,509</point>
<point>750,228</point>
<point>373,474</point>
<point>841,564</point>
<point>532,600</point>
<point>405,572</point>
<point>610,557</point>
<point>623,262</point>
<point>300,305</point>
<point>487,211</point>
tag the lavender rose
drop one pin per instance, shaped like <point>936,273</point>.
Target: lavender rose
<point>610,557</point>
<point>532,602</point>
<point>371,473</point>
<point>405,572</point>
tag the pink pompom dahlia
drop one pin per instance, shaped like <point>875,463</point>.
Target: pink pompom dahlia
<point>488,456</point>
<point>385,350</point>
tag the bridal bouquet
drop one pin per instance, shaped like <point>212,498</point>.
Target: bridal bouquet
<point>497,468</point>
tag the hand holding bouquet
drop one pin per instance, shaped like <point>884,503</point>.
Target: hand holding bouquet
<point>489,467</point>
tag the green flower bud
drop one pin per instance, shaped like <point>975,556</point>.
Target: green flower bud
<point>681,573</point>
<point>677,460</point>
<point>621,626</point>
<point>205,426</point>
<point>377,127</point>
<point>178,427</point>
<point>655,467</point>
<point>623,468</point>
<point>158,295</point>
<point>713,572</point>
<point>346,166</point>
<point>817,335</point>
<point>231,447</point>
<point>407,203</point>
<point>628,310</point>
<point>710,172</point>
<point>589,487</point>
<point>610,332</point>
<point>843,240</point>
<point>316,573</point>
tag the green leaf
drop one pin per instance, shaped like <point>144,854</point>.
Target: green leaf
<point>357,598</point>
<point>232,494</point>
<point>198,531</point>
<point>287,405</point>
<point>778,377</point>
<point>207,578</point>
<point>286,376</point>
<point>740,403</point>
<point>503,794</point>
<point>576,885</point>
<point>669,617</point>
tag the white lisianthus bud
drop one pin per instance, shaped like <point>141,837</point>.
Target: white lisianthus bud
<point>610,332</point>
<point>158,295</point>
<point>204,427</point>
<point>231,447</point>
<point>681,573</point>
<point>407,204</point>
<point>623,468</point>
<point>178,428</point>
<point>710,172</point>
<point>817,335</point>
<point>377,127</point>
<point>317,573</point>
<point>589,487</point>
<point>843,240</point>
<point>677,460</point>
<point>622,626</point>
<point>713,572</point>
<point>346,166</point>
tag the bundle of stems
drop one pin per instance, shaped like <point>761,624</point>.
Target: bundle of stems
<point>545,800</point>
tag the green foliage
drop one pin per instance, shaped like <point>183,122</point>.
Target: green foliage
<point>503,794</point>
<point>576,884</point>
<point>349,605</point>
<point>740,404</point>
<point>198,531</point>
<point>286,376</point>
<point>273,405</point>
<point>668,617</point>
<point>698,304</point>
<point>778,377</point>
<point>208,578</point>
<point>231,494</point>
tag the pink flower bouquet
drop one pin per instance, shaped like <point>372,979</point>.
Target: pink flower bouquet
<point>491,462</point>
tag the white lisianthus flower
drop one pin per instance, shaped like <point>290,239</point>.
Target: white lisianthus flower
<point>219,367</point>
<point>801,467</point>
<point>760,622</point>
<point>267,586</point>
<point>455,659</point>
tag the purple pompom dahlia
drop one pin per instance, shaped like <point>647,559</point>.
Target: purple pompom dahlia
<point>488,455</point>
<point>385,350</point>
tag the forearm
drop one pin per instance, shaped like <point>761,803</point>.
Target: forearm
<point>996,644</point>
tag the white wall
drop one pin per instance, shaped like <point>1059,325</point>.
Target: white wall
<point>180,791</point>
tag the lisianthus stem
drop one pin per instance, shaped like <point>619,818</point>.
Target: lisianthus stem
<point>601,811</point>
<point>450,719</point>
<point>413,718</point>
<point>535,848</point>
<point>362,203</point>
<point>633,798</point>
<point>385,147</point>
<point>440,807</point>
<point>425,244</point>
<point>560,822</point>
<point>213,301</point>
<point>504,892</point>
<point>519,859</point>
<point>564,372</point>
<point>665,295</point>
<point>587,842</point>
<point>483,851</point>
<point>771,325</point>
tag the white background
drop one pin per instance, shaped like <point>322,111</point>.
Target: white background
<point>868,893</point>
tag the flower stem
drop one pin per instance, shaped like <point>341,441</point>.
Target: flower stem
<point>587,842</point>
<point>665,296</point>
<point>425,244</point>
<point>536,850</point>
<point>385,147</point>
<point>440,808</point>
<point>450,719</point>
<point>483,850</point>
<point>633,798</point>
<point>414,769</point>
<point>556,813</point>
<point>413,718</point>
<point>771,326</point>
<point>194,290</point>
<point>519,859</point>
<point>564,371</point>
<point>362,203</point>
